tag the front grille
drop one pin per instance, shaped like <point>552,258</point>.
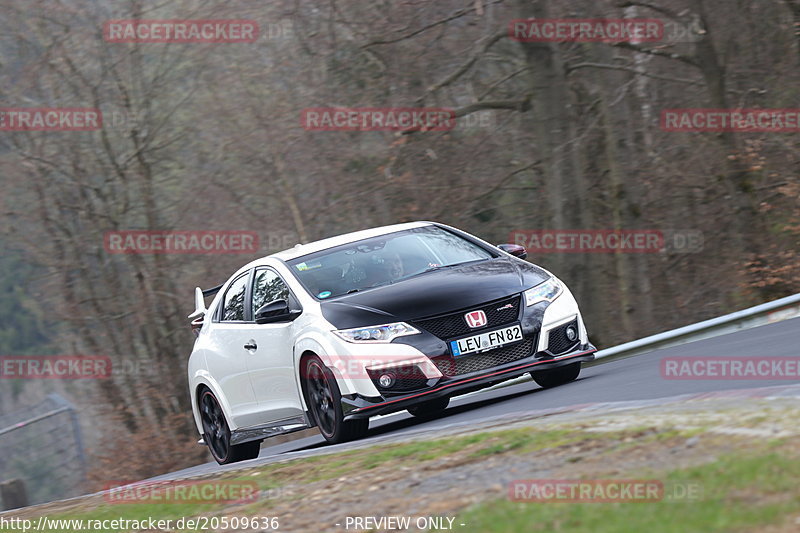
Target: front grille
<point>454,324</point>
<point>449,366</point>
<point>408,378</point>
<point>558,342</point>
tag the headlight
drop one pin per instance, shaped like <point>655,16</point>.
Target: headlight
<point>544,292</point>
<point>384,333</point>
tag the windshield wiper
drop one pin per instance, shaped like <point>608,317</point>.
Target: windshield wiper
<point>440,267</point>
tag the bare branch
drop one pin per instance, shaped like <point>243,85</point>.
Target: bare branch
<point>521,105</point>
<point>501,81</point>
<point>458,14</point>
<point>577,66</point>
<point>658,53</point>
<point>506,178</point>
<point>464,67</point>
<point>663,10</point>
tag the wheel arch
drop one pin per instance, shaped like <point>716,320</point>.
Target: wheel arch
<point>315,343</point>
<point>204,381</point>
<point>312,344</point>
<point>302,383</point>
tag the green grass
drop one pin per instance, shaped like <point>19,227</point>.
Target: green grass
<point>737,493</point>
<point>301,471</point>
<point>527,441</point>
<point>727,484</point>
<point>522,440</point>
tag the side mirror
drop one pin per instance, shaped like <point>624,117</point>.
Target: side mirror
<point>275,311</point>
<point>514,249</point>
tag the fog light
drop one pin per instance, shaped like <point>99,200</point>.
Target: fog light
<point>386,380</point>
<point>572,333</point>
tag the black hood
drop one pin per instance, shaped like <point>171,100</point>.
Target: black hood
<point>434,293</point>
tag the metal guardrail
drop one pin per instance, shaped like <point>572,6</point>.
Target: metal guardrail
<point>760,315</point>
<point>43,448</point>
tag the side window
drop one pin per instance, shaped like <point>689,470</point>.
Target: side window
<point>268,286</point>
<point>233,304</point>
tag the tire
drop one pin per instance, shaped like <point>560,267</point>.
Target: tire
<point>217,434</point>
<point>324,400</point>
<point>556,376</point>
<point>430,409</point>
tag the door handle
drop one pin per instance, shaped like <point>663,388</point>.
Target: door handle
<point>251,345</point>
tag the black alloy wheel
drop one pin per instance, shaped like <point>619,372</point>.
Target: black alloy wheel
<point>217,434</point>
<point>325,403</point>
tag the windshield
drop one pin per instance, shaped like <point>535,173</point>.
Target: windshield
<point>382,260</point>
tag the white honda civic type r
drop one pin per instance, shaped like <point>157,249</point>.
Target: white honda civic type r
<point>403,317</point>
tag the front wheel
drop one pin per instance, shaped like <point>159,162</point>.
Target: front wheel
<point>556,376</point>
<point>217,434</point>
<point>325,403</point>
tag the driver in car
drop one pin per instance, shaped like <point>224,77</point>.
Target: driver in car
<point>384,268</point>
<point>394,265</point>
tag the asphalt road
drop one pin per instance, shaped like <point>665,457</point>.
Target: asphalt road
<point>634,378</point>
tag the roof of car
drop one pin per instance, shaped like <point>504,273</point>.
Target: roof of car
<point>300,250</point>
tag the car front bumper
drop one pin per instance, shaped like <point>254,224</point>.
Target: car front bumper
<point>359,406</point>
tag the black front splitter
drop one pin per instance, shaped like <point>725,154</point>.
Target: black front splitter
<point>357,406</point>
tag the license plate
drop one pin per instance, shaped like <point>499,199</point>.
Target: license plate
<point>486,341</point>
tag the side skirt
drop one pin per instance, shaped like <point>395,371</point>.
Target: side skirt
<point>279,427</point>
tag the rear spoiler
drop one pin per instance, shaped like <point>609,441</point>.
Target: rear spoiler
<point>211,292</point>
<point>200,305</point>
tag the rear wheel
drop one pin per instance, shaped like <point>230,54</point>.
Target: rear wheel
<point>217,434</point>
<point>325,403</point>
<point>556,376</point>
<point>430,408</point>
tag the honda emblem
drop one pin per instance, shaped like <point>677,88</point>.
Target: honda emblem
<point>476,319</point>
